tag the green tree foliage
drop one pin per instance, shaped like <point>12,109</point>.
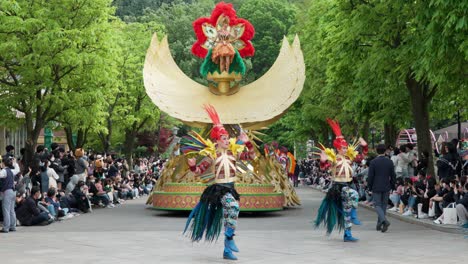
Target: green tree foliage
<point>51,52</point>
<point>177,19</point>
<point>130,9</point>
<point>272,20</point>
<point>373,59</point>
<point>131,110</point>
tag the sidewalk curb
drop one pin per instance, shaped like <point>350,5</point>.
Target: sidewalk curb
<point>452,229</point>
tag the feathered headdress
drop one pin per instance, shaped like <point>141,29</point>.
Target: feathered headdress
<point>218,128</point>
<point>339,141</point>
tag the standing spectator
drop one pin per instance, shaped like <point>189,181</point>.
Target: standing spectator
<point>413,159</point>
<point>380,181</point>
<point>423,162</point>
<point>7,190</point>
<point>113,168</point>
<point>10,150</point>
<point>401,167</point>
<point>56,164</point>
<point>394,158</point>
<point>449,164</point>
<point>81,165</point>
<point>29,213</point>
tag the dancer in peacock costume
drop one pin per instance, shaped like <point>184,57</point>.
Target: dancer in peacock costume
<point>338,208</point>
<point>219,202</point>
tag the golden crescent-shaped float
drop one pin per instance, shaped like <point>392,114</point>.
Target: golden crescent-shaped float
<point>255,105</point>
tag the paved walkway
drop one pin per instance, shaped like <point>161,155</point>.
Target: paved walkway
<point>133,234</point>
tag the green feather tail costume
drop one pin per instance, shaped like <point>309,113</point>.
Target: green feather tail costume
<point>207,217</point>
<point>331,213</point>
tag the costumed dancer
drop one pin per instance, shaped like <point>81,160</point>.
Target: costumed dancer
<point>338,208</point>
<point>219,202</point>
<point>283,159</point>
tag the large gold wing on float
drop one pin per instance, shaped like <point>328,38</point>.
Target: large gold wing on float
<point>255,105</point>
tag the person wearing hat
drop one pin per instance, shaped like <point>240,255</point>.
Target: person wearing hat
<point>219,202</point>
<point>8,193</point>
<point>340,203</point>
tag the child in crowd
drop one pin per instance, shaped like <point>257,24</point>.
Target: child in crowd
<point>396,194</point>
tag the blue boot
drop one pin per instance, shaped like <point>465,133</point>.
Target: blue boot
<point>348,237</point>
<point>229,240</point>
<point>227,254</point>
<point>354,218</point>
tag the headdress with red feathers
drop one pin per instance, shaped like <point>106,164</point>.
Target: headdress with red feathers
<point>339,141</point>
<point>206,31</point>
<point>218,128</point>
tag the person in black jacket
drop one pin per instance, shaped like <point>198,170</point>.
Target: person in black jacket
<point>380,181</point>
<point>29,214</point>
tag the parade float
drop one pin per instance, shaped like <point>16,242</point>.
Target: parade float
<point>223,40</point>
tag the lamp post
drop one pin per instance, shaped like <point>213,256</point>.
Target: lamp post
<point>373,134</point>
<point>48,135</point>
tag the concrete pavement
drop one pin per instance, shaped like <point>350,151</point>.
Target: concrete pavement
<point>133,234</point>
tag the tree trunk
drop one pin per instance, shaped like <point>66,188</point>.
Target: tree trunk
<point>33,131</point>
<point>105,140</point>
<point>69,135</point>
<point>364,133</point>
<point>81,137</point>
<point>421,95</point>
<point>390,134</point>
<point>129,146</point>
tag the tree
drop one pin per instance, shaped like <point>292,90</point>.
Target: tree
<point>129,9</point>
<point>132,110</point>
<point>272,20</point>
<point>177,19</point>
<point>50,55</point>
<point>395,44</point>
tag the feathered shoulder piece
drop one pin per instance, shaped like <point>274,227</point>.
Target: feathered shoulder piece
<point>352,152</point>
<point>331,155</point>
<point>234,147</point>
<point>193,143</point>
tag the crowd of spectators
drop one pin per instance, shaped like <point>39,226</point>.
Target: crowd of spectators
<point>59,185</point>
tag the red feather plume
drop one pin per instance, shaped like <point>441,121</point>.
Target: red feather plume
<point>339,140</point>
<point>335,126</point>
<point>218,128</point>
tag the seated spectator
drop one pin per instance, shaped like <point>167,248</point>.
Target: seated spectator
<point>123,189</point>
<point>462,208</point>
<point>148,185</point>
<point>428,194</point>
<point>445,197</point>
<point>81,198</point>
<point>396,194</point>
<point>29,214</point>
<point>111,193</point>
<point>98,194</point>
<point>53,205</point>
<point>408,199</point>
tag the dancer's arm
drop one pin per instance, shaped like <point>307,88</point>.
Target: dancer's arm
<point>250,154</point>
<point>202,167</point>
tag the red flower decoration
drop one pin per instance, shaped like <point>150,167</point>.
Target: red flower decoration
<point>223,18</point>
